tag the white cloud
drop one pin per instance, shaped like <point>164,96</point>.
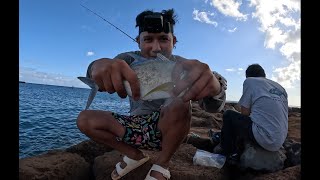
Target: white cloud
<point>280,21</point>
<point>203,17</point>
<point>269,13</point>
<point>90,53</point>
<point>232,30</point>
<point>230,69</point>
<point>236,70</point>
<point>274,35</point>
<point>291,49</point>
<point>229,8</point>
<point>33,76</point>
<point>286,76</point>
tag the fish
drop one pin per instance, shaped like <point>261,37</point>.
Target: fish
<point>94,89</point>
<point>154,77</point>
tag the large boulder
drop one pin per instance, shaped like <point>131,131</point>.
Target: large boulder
<point>54,165</point>
<point>89,150</point>
<point>181,166</point>
<point>89,160</point>
<point>260,159</point>
<point>293,152</point>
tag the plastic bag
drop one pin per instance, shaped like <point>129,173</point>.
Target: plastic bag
<point>205,158</point>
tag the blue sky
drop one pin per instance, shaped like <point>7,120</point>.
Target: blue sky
<point>59,38</point>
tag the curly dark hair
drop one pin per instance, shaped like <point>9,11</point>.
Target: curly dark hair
<point>168,15</point>
<point>255,70</point>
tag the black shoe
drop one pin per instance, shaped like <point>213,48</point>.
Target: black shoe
<point>218,149</point>
<point>233,159</point>
<point>215,136</point>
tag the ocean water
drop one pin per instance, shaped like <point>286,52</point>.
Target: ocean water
<point>47,115</point>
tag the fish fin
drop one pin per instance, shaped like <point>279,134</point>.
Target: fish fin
<point>161,57</point>
<point>167,102</point>
<point>92,94</point>
<point>88,82</point>
<point>163,87</point>
<point>127,87</point>
<point>137,58</point>
<point>94,89</point>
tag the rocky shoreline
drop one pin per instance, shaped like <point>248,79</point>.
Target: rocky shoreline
<point>92,161</point>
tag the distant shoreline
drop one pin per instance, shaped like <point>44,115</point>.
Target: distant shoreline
<point>227,102</point>
<point>54,85</point>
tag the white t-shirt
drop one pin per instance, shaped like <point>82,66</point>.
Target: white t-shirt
<point>268,102</point>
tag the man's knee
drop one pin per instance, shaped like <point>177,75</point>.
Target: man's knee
<point>178,110</point>
<point>229,114</point>
<point>82,121</point>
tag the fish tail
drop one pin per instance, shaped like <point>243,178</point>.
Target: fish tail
<point>94,89</point>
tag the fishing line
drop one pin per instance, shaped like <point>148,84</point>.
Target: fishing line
<point>108,22</point>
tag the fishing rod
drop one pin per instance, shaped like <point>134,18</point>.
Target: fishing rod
<point>108,22</point>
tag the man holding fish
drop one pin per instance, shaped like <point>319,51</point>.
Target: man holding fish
<point>160,87</point>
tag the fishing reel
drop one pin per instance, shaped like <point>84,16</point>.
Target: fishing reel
<point>155,23</point>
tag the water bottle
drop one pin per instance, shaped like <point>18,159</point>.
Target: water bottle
<point>205,158</point>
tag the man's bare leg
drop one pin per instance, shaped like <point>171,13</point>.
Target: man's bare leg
<point>174,125</point>
<point>101,127</point>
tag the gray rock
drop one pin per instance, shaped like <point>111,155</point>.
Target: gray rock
<point>293,152</point>
<point>258,158</point>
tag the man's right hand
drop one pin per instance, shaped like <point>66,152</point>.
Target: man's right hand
<point>109,75</point>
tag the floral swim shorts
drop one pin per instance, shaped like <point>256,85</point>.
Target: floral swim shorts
<point>141,130</point>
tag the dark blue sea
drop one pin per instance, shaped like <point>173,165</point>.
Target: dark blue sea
<point>47,115</point>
